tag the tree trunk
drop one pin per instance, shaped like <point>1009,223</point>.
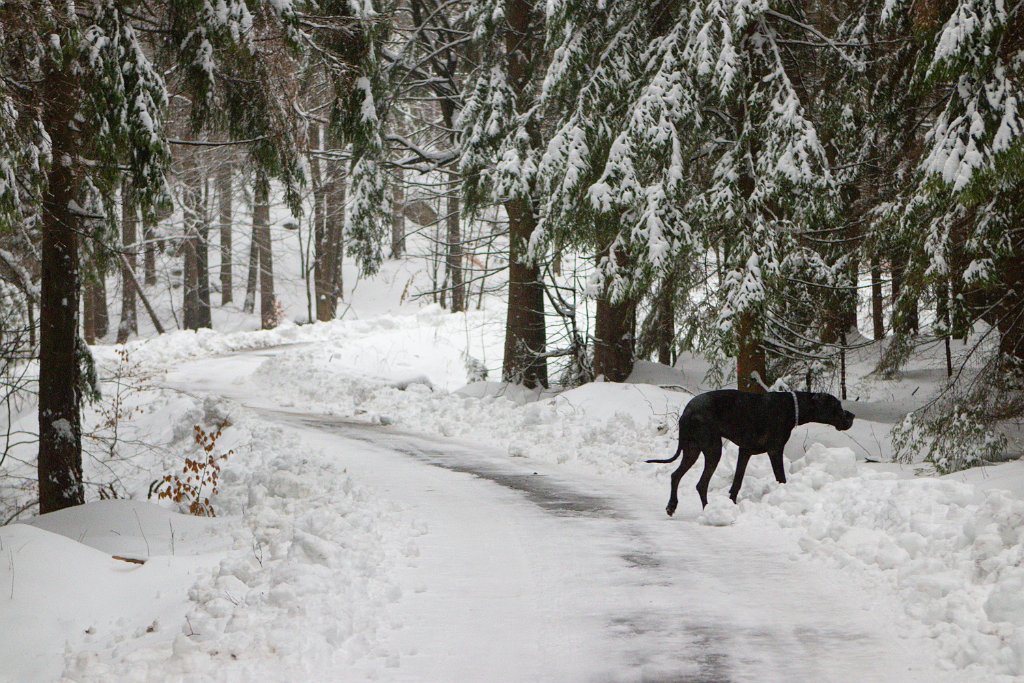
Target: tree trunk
<point>205,310</point>
<point>665,330</point>
<point>398,216</point>
<point>261,228</point>
<point>454,260</point>
<point>1010,309</point>
<point>60,431</point>
<point>613,332</point>
<point>751,356</point>
<point>877,311</point>
<point>129,315</point>
<point>525,336</point>
<point>89,313</point>
<point>224,218</point>
<point>195,312</point>
<point>249,305</point>
<point>101,315</point>
<point>149,254</point>
<point>334,217</point>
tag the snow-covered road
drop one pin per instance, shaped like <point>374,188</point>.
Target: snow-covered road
<point>527,572</point>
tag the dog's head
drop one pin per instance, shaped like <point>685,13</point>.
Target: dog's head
<point>830,411</point>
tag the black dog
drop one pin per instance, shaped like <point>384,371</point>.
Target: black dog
<point>756,423</point>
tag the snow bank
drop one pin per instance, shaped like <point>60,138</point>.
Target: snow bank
<point>303,588</point>
<point>952,552</point>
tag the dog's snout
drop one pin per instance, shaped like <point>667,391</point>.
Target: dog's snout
<point>847,419</point>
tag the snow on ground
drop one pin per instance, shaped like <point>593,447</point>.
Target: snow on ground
<point>304,572</point>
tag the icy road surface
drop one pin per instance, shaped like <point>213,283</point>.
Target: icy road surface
<point>537,572</point>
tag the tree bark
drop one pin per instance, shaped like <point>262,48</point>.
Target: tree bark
<point>88,313</point>
<point>666,323</point>
<point>751,356</point>
<point>454,260</point>
<point>249,305</point>
<point>195,312</point>
<point>398,216</point>
<point>904,313</point>
<point>129,315</point>
<point>99,302</point>
<point>877,303</point>
<point>224,218</point>
<point>261,229</point>
<point>149,254</point>
<point>525,336</point>
<point>334,217</point>
<point>60,431</point>
<point>613,332</point>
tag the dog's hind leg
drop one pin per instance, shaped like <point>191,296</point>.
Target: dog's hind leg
<point>691,453</point>
<point>712,454</point>
<point>741,468</point>
<point>776,457</point>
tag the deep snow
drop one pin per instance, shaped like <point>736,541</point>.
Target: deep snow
<point>376,521</point>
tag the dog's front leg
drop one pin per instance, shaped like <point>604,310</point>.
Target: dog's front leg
<point>775,455</point>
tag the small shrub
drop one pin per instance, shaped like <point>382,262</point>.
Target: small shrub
<point>199,478</point>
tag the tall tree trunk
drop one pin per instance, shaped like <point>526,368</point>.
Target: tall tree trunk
<point>194,314</point>
<point>149,254</point>
<point>99,302</point>
<point>129,315</point>
<point>334,217</point>
<point>224,218</point>
<point>1010,309</point>
<point>525,336</point>
<point>88,313</point>
<point>249,305</point>
<point>60,431</point>
<point>613,331</point>
<point>751,356</point>
<point>454,260</point>
<point>261,227</point>
<point>665,331</point>
<point>205,310</point>
<point>398,216</point>
<point>322,261</point>
<point>877,303</point>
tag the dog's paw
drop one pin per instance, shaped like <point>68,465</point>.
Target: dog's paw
<point>670,510</point>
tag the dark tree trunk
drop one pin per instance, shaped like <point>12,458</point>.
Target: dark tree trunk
<point>877,303</point>
<point>614,349</point>
<point>224,218</point>
<point>149,255</point>
<point>261,228</point>
<point>129,221</point>
<point>334,216</point>
<point>195,312</point>
<point>665,330</point>
<point>203,261</point>
<point>99,303</point>
<point>751,356</point>
<point>249,305</point>
<point>398,216</point>
<point>60,431</point>
<point>525,336</point>
<point>89,313</point>
<point>454,260</point>
<point>1010,309</point>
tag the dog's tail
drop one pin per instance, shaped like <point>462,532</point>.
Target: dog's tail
<point>667,460</point>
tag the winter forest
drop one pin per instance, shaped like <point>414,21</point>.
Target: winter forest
<point>336,335</point>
